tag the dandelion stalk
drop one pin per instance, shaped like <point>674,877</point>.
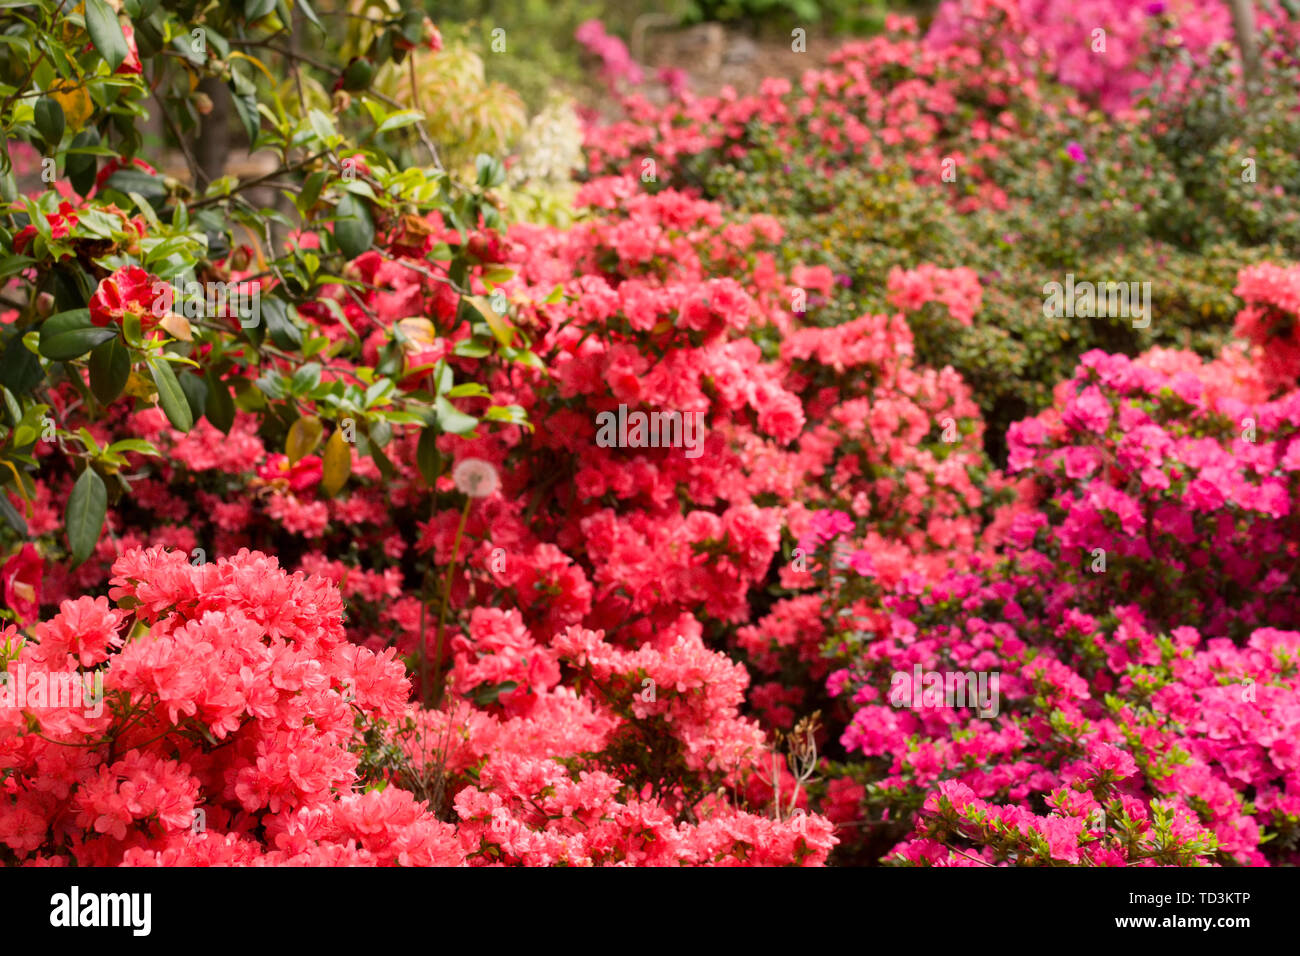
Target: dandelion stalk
<point>442,611</point>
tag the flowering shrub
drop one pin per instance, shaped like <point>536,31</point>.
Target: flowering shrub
<point>1135,615</point>
<point>225,731</point>
<point>231,731</point>
<point>971,153</point>
<point>131,288</point>
<point>657,537</point>
<point>1106,65</point>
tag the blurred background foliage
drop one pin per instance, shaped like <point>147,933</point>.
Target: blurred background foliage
<point>511,77</point>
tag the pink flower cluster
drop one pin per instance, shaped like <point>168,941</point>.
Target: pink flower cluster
<point>1135,613</point>
<point>224,734</point>
<point>892,101</point>
<point>626,569</point>
<point>1271,318</point>
<point>958,290</point>
<point>617,65</point>
<point>1095,46</point>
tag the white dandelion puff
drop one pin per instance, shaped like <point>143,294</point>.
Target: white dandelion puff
<point>476,477</point>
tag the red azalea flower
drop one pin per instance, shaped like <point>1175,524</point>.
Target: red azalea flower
<point>24,236</point>
<point>61,224</point>
<point>485,247</point>
<point>132,62</point>
<point>128,291</point>
<point>304,474</point>
<point>432,36</point>
<point>22,583</point>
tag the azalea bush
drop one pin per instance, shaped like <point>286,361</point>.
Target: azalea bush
<point>965,149</point>
<point>235,724</point>
<point>1137,612</point>
<point>633,525</point>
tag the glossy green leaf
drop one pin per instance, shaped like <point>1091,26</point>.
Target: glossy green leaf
<point>87,506</point>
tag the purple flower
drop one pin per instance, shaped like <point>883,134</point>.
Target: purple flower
<point>1075,152</point>
<point>1155,9</point>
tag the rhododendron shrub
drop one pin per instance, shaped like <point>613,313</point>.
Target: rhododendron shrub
<point>1136,614</point>
<point>642,544</point>
<point>1096,46</point>
<point>226,732</point>
<point>1272,297</point>
<point>972,153</point>
<point>608,530</point>
<point>380,583</point>
<point>1104,48</point>
<point>634,760</point>
<point>235,721</point>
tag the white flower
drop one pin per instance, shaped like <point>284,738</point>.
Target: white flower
<point>476,477</point>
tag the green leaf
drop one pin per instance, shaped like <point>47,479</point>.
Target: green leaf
<point>306,378</point>
<point>453,420</point>
<point>70,335</point>
<point>310,14</point>
<point>322,126</point>
<point>11,515</point>
<point>382,462</point>
<point>81,168</point>
<point>398,120</point>
<point>136,180</point>
<point>171,396</point>
<point>12,265</point>
<point>358,74</point>
<point>311,189</point>
<point>110,368</point>
<point>381,433</point>
<point>379,391</point>
<point>220,407</point>
<point>515,414</point>
<point>488,693</point>
<point>489,171</point>
<point>196,393</point>
<point>138,445</point>
<point>354,230</point>
<point>87,506</point>
<point>282,329</point>
<point>11,406</point>
<point>20,370</point>
<point>256,9</point>
<point>469,348</point>
<point>49,120</point>
<point>246,107</point>
<point>148,212</point>
<point>427,457</point>
<point>106,33</point>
